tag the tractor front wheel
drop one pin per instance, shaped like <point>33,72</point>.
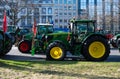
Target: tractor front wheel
<point>55,51</point>
<point>96,48</point>
<point>24,46</point>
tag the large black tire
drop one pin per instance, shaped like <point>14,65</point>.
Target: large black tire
<point>7,45</point>
<point>24,46</point>
<point>55,51</point>
<point>96,48</point>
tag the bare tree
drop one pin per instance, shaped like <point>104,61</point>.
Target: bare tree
<point>16,7</point>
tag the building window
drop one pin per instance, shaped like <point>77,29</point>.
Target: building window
<point>43,10</point>
<point>65,26</point>
<point>37,18</point>
<point>60,1</point>
<point>44,2</point>
<point>36,1</point>
<point>56,1</point>
<point>60,14</point>
<point>74,1</point>
<point>69,1</point>
<point>60,26</point>
<point>49,1</point>
<point>43,19</point>
<point>60,20</point>
<point>49,19</point>
<point>49,10</point>
<point>65,13</point>
<point>29,18</point>
<point>74,14</point>
<point>74,7</point>
<point>36,11</point>
<point>23,11</point>
<point>29,11</point>
<point>69,7</point>
<point>56,20</point>
<point>65,1</point>
<point>22,21</point>
<point>69,14</point>
<point>65,7</point>
<point>65,20</point>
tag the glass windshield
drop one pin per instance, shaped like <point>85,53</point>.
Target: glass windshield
<point>81,27</point>
<point>84,27</point>
<point>45,29</point>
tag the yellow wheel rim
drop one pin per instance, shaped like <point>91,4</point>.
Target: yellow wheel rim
<point>97,49</point>
<point>56,52</point>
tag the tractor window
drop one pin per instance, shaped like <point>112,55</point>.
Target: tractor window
<point>81,27</point>
<point>85,27</point>
<point>50,29</point>
<point>41,29</point>
<point>91,27</point>
<point>45,29</point>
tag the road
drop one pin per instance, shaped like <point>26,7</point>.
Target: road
<point>14,54</point>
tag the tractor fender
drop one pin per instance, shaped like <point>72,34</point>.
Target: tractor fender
<point>60,42</point>
<point>92,35</point>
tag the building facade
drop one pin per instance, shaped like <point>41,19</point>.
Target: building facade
<point>64,10</point>
<point>41,10</point>
<point>59,12</point>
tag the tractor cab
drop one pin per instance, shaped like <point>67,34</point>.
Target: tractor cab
<point>44,28</point>
<point>80,28</point>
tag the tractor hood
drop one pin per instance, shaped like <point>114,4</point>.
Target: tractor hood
<point>62,36</point>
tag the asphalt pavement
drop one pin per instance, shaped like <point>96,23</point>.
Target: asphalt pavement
<point>14,54</point>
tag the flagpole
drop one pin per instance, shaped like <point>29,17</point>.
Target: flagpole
<point>33,38</point>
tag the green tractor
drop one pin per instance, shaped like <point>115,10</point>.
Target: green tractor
<point>81,40</point>
<point>26,43</point>
<point>5,43</point>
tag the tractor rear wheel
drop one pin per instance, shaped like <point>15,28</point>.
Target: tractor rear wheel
<point>7,45</point>
<point>96,48</point>
<point>24,46</point>
<point>55,51</point>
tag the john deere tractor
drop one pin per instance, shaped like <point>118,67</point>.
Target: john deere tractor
<point>5,43</point>
<point>81,40</point>
<point>26,44</point>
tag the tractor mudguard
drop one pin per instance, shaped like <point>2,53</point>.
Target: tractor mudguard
<point>58,41</point>
<point>90,35</point>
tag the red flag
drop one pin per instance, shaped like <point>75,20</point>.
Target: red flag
<point>4,23</point>
<point>34,28</point>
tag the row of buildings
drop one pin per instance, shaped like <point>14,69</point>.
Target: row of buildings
<point>59,12</point>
